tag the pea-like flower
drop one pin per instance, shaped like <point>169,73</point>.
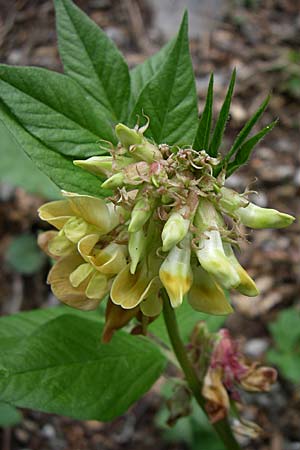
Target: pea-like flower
<point>164,226</point>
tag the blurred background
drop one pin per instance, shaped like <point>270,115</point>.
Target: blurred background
<point>262,40</point>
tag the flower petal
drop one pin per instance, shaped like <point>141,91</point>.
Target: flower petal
<point>206,295</point>
<point>128,290</point>
<point>57,213</point>
<point>246,285</point>
<point>62,288</point>
<point>152,305</point>
<point>98,286</point>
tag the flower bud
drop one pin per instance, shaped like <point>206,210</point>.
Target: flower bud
<point>254,216</point>
<point>251,215</point>
<point>210,252</point>
<point>136,247</point>
<point>174,231</point>
<point>175,272</point>
<point>128,136</point>
<point>103,165</point>
<point>116,180</point>
<point>98,165</point>
<point>140,214</point>
<point>247,285</point>
<point>145,152</point>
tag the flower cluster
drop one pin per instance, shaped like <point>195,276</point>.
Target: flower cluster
<point>169,223</point>
<point>226,373</point>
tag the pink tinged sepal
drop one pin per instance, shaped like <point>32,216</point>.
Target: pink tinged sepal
<point>175,272</point>
<point>206,295</point>
<point>129,290</point>
<point>247,285</point>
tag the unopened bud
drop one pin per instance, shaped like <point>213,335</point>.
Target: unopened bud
<point>247,285</point>
<point>254,216</point>
<point>145,152</point>
<point>140,214</point>
<point>174,231</point>
<point>128,136</point>
<point>98,165</point>
<point>136,248</point>
<point>175,272</point>
<point>113,182</point>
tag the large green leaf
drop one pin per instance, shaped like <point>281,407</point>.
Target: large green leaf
<point>63,368</point>
<point>9,416</point>
<point>53,108</point>
<point>169,99</point>
<point>187,318</point>
<point>58,168</point>
<point>142,73</point>
<point>16,169</point>
<point>16,327</point>
<point>92,59</point>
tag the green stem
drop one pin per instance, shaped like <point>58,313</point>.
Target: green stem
<point>222,427</point>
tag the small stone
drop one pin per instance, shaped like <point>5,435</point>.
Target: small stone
<point>255,348</point>
<point>22,435</point>
<point>48,431</point>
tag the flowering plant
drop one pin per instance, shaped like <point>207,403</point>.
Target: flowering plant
<point>146,222</point>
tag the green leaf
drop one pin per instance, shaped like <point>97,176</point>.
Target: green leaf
<point>53,108</point>
<point>17,169</point>
<point>142,73</point>
<point>92,59</point>
<point>58,168</point>
<point>16,327</point>
<point>63,368</point>
<point>287,362</point>
<point>169,99</point>
<point>9,416</point>
<point>187,318</point>
<point>246,129</point>
<point>245,150</point>
<point>203,132</point>
<point>24,255</point>
<point>222,119</point>
<point>286,329</point>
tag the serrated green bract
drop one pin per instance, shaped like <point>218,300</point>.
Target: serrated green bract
<point>53,108</point>
<point>246,129</point>
<point>169,99</point>
<point>203,131</point>
<point>92,59</point>
<point>245,150</point>
<point>222,119</point>
<point>57,167</point>
<point>63,368</point>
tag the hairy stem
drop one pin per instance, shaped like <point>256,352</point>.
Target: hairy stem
<point>222,427</point>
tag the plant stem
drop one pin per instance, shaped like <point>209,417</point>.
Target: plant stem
<point>222,427</point>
